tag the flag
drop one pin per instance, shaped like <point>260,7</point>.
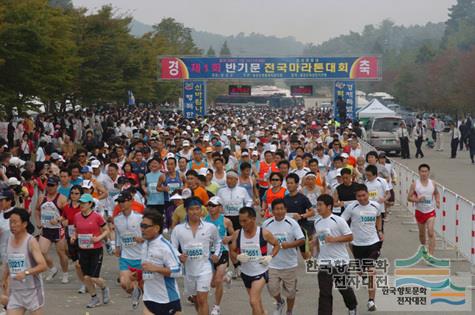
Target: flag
<point>131,98</point>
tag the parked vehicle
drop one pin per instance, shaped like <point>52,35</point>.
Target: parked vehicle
<point>382,133</point>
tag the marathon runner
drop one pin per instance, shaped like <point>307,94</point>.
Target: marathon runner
<point>195,240</point>
<point>90,230</point>
<point>128,245</point>
<point>283,267</point>
<point>161,267</point>
<point>367,228</point>
<point>249,250</point>
<point>425,194</point>
<point>225,230</point>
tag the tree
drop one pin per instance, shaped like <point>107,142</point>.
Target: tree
<point>65,4</point>
<point>225,52</point>
<point>211,52</point>
<point>425,54</point>
<point>177,36</point>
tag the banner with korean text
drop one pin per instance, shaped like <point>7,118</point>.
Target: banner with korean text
<point>325,68</point>
<point>347,91</point>
<point>194,98</point>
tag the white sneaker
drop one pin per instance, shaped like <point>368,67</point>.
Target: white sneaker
<point>65,278</point>
<point>371,306</point>
<point>279,308</point>
<point>51,274</point>
<point>82,289</point>
<point>216,310</point>
<point>352,312</point>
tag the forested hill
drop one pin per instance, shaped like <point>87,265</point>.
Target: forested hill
<point>253,44</point>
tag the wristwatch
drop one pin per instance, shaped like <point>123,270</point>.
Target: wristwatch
<point>27,272</point>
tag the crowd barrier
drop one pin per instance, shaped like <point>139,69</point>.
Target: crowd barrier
<point>455,224</point>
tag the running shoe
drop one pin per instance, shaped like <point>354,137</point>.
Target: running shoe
<point>94,302</point>
<point>136,294</point>
<point>106,295</point>
<point>109,248</point>
<point>279,308</point>
<point>371,306</point>
<point>216,310</point>
<point>82,289</point>
<point>65,278</point>
<point>51,274</point>
<point>352,312</point>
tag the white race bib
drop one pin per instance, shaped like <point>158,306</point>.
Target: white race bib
<point>195,251</point>
<point>253,251</point>
<point>85,241</point>
<point>16,263</point>
<point>127,239</point>
<point>71,230</point>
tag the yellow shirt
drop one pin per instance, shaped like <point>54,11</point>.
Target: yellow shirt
<point>179,215</point>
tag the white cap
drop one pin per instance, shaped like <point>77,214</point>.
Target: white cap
<point>176,197</point>
<point>95,164</point>
<point>273,148</point>
<point>13,181</point>
<point>86,184</point>
<point>170,155</point>
<point>255,153</point>
<point>215,200</point>
<point>338,172</point>
<point>245,153</point>
<point>203,171</point>
<point>186,143</point>
<point>344,155</point>
<point>17,162</point>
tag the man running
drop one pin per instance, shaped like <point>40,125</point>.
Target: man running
<point>225,230</point>
<point>332,235</point>
<point>283,267</point>
<point>427,197</point>
<point>160,268</point>
<point>195,240</point>
<point>128,245</point>
<point>366,226</point>
<point>249,248</point>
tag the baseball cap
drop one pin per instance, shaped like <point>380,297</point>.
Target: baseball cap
<point>86,198</point>
<point>186,143</point>
<point>53,180</point>
<point>186,193</point>
<point>86,184</point>
<point>245,153</point>
<point>170,155</point>
<point>86,169</point>
<point>124,196</point>
<point>203,171</point>
<point>6,194</point>
<point>96,164</point>
<point>255,153</point>
<point>215,201</point>
<point>57,157</point>
<point>209,150</point>
<point>13,181</point>
<point>232,173</point>
<point>345,155</point>
<point>176,197</point>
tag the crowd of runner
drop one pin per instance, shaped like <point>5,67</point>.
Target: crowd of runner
<point>253,191</point>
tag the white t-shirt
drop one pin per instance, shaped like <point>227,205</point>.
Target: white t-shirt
<point>377,188</point>
<point>286,230</point>
<point>331,253</point>
<point>363,222</point>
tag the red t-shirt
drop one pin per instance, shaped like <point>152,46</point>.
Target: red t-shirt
<point>87,227</point>
<point>69,212</point>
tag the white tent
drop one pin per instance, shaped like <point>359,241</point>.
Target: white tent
<point>375,109</point>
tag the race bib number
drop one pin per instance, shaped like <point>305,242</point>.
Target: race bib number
<point>373,194</point>
<point>195,251</point>
<point>253,251</point>
<point>71,230</point>
<point>173,187</point>
<point>232,209</point>
<point>128,239</point>
<point>152,187</point>
<point>85,241</point>
<point>336,210</point>
<point>16,263</point>
<point>281,237</point>
<point>147,275</point>
<point>47,216</point>
<point>322,234</point>
<point>368,217</point>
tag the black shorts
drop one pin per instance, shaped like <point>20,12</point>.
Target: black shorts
<point>248,280</point>
<point>73,250</point>
<point>235,221</point>
<point>160,309</point>
<point>308,230</point>
<point>391,197</point>
<point>224,259</point>
<point>367,253</point>
<point>90,261</point>
<point>53,235</point>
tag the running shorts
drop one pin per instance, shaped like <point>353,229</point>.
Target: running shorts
<point>422,217</point>
<point>90,261</point>
<point>170,308</point>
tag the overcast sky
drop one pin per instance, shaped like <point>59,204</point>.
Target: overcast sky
<point>307,20</point>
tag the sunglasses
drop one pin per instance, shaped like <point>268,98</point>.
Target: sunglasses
<point>75,193</point>
<point>210,205</point>
<point>275,180</point>
<point>145,226</point>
